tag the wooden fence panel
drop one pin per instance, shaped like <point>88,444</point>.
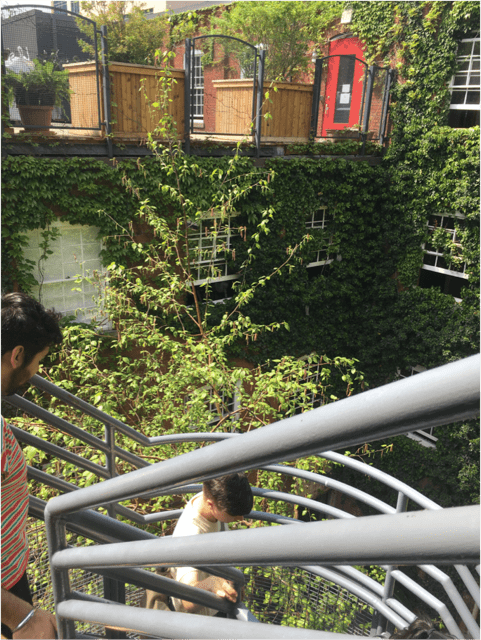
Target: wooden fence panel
<point>133,89</point>
<point>289,106</point>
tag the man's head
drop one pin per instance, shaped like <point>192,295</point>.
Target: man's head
<point>230,496</point>
<point>28,330</point>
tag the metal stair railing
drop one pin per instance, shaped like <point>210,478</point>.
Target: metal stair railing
<point>456,397</point>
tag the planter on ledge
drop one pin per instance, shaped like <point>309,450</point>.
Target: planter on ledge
<point>37,117</point>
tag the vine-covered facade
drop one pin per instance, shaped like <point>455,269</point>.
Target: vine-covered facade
<point>390,275</point>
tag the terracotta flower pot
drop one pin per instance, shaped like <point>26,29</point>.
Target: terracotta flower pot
<point>36,117</point>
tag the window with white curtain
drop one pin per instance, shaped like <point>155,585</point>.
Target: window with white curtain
<point>75,252</point>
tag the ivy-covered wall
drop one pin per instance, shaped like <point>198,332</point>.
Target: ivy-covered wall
<point>366,304</point>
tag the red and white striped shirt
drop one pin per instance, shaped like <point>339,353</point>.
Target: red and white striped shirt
<point>14,509</point>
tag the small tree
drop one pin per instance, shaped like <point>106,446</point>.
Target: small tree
<point>131,36</point>
<point>288,30</point>
<point>174,363</point>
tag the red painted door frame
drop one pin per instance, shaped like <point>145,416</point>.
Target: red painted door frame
<point>343,94</point>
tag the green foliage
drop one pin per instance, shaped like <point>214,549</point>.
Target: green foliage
<point>286,29</point>
<point>36,189</point>
<point>293,597</point>
<point>131,36</point>
<point>364,304</point>
<point>448,474</point>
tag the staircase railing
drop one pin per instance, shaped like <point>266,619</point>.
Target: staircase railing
<point>424,538</point>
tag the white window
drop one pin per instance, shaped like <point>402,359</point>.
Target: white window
<point>436,271</point>
<point>197,96</point>
<point>210,247</point>
<point>198,86</point>
<point>221,406</point>
<point>425,437</point>
<point>59,4</point>
<point>75,252</point>
<point>465,87</point>
<point>247,61</point>
<point>313,398</point>
<point>320,219</point>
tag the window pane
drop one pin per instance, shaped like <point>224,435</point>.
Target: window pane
<point>458,97</point>
<point>344,89</point>
<point>462,119</point>
<point>448,222</point>
<point>69,257</point>
<point>473,97</point>
<point>460,80</point>
<point>474,80</point>
<point>465,48</point>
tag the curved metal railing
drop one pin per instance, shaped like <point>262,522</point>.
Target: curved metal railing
<point>437,397</point>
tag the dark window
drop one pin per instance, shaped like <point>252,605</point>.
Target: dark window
<point>450,285</point>
<point>214,291</point>
<point>58,4</point>
<point>344,89</point>
<point>75,7</point>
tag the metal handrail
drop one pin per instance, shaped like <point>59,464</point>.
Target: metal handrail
<point>463,373</point>
<point>443,395</point>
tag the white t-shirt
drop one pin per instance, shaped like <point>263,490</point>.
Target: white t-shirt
<point>191,523</point>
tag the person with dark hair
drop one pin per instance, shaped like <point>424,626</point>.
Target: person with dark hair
<point>222,500</point>
<point>28,331</point>
<point>422,627</point>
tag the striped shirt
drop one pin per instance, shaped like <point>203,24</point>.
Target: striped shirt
<point>14,509</point>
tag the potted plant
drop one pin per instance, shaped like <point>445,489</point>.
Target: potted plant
<point>37,92</point>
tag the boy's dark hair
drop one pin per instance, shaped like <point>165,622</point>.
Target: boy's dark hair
<point>422,627</point>
<point>27,323</point>
<point>231,494</point>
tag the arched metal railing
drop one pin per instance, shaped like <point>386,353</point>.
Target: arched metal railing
<point>424,538</point>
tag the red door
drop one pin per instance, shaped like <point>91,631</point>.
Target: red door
<point>344,85</point>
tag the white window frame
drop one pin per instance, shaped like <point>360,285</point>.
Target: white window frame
<point>64,266</point>
<point>59,4</point>
<point>248,73</point>
<point>320,219</point>
<point>230,406</point>
<point>214,246</point>
<point>472,61</point>
<point>316,399</point>
<point>425,437</point>
<point>438,255</point>
<point>197,86</point>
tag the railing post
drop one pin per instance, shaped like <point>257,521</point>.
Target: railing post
<point>187,82</point>
<point>260,89</point>
<point>106,89</point>
<point>56,538</point>
<point>401,507</point>
<point>385,105</point>
<point>97,76</point>
<point>3,92</point>
<point>316,95</point>
<point>254,92</point>
<point>113,590</point>
<point>367,109</point>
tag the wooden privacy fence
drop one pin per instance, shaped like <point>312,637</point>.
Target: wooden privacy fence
<point>133,89</point>
<point>288,103</point>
